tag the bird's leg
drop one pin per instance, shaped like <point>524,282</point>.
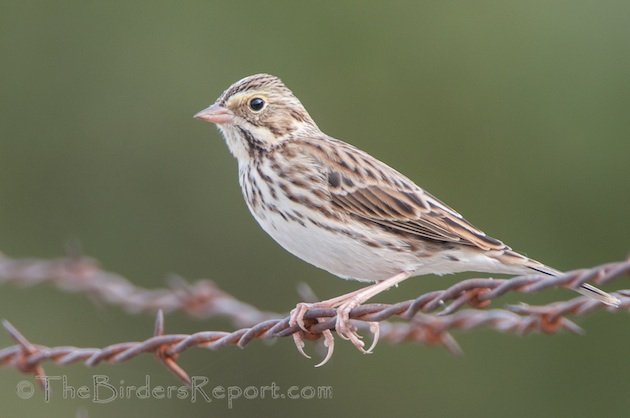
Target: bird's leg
<point>297,314</point>
<point>344,304</point>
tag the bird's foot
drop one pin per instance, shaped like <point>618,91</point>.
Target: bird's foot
<point>297,318</point>
<point>346,330</point>
<point>344,327</point>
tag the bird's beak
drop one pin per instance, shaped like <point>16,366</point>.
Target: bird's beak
<point>216,114</point>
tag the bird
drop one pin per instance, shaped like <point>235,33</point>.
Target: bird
<point>344,211</point>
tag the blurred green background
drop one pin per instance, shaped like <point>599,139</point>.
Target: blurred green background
<point>515,113</point>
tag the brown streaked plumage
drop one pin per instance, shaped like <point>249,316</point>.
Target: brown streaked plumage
<point>343,210</point>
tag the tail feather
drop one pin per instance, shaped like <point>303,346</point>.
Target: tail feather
<point>598,294</point>
<point>584,289</point>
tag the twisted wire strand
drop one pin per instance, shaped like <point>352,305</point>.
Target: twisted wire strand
<point>201,299</point>
<point>422,327</point>
<point>204,299</point>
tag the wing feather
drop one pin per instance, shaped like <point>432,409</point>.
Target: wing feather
<point>366,188</point>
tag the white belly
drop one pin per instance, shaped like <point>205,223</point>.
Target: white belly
<point>339,254</point>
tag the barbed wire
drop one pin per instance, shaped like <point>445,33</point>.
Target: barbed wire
<point>201,299</point>
<point>430,329</point>
<point>204,299</point>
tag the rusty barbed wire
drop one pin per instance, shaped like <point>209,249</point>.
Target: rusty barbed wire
<point>201,299</point>
<point>422,327</point>
<point>204,299</point>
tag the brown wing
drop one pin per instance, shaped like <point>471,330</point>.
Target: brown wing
<point>365,187</point>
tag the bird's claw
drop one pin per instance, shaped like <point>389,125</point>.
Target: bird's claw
<point>329,343</point>
<point>299,343</point>
<point>375,329</point>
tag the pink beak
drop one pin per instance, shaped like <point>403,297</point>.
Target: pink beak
<point>216,114</point>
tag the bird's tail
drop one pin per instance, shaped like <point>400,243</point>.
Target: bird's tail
<point>584,289</point>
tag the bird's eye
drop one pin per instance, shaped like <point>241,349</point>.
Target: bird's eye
<point>256,104</point>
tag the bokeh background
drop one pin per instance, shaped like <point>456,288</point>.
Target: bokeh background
<point>515,113</point>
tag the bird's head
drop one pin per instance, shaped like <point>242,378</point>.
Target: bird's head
<point>256,113</point>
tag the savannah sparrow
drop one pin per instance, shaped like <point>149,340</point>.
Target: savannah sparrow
<point>343,210</point>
